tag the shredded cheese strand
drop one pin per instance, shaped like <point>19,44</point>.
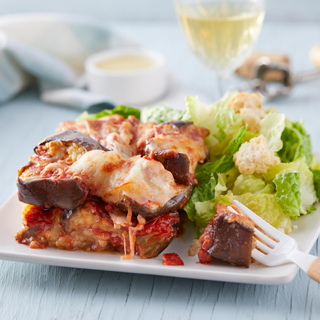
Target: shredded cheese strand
<point>132,238</point>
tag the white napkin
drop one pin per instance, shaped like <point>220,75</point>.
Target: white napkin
<point>50,50</point>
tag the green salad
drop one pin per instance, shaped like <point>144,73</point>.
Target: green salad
<point>256,156</point>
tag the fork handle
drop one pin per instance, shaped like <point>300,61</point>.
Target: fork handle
<point>314,270</point>
<point>309,263</point>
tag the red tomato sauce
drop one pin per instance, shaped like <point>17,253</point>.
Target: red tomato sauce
<point>39,218</point>
<point>161,225</point>
<point>171,259</point>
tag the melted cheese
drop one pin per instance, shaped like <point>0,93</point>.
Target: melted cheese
<point>188,140</point>
<point>113,132</point>
<point>110,177</point>
<point>132,238</point>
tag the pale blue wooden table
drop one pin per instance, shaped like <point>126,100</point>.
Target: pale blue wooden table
<point>29,291</point>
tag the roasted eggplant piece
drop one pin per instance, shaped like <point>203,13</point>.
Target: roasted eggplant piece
<point>64,193</point>
<point>53,191</point>
<point>157,234</point>
<point>175,203</point>
<point>177,163</point>
<point>228,237</point>
<point>72,136</point>
<point>179,146</point>
<point>178,124</point>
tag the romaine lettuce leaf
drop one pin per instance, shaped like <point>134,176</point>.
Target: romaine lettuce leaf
<point>225,163</point>
<point>272,126</point>
<point>232,176</point>
<point>296,143</point>
<point>308,194</point>
<point>248,136</point>
<point>235,144</point>
<point>122,110</point>
<point>267,207</point>
<point>248,183</point>
<point>160,114</point>
<point>227,122</point>
<point>272,109</point>
<point>207,209</point>
<point>283,223</point>
<point>316,181</point>
<point>311,208</point>
<point>220,120</point>
<point>315,165</point>
<point>203,192</point>
<point>221,185</point>
<point>288,193</point>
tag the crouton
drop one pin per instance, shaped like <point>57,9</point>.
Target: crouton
<point>245,100</point>
<point>255,156</point>
<point>252,118</point>
<point>249,107</point>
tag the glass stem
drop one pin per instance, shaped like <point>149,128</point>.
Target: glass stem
<point>223,84</point>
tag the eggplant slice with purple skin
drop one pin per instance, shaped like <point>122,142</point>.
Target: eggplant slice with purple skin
<point>175,162</point>
<point>63,193</point>
<point>178,123</point>
<point>73,136</point>
<point>172,205</point>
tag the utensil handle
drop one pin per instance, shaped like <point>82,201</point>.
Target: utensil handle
<point>309,263</point>
<point>314,270</point>
<point>306,76</point>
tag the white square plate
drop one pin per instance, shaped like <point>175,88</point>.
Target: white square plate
<point>10,216</point>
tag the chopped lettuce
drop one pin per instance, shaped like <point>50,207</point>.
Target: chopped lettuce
<point>316,181</point>
<point>227,122</point>
<point>315,165</point>
<point>272,126</point>
<point>122,110</point>
<point>220,120</point>
<point>273,109</point>
<point>267,207</point>
<point>311,208</point>
<point>207,209</point>
<point>296,143</point>
<point>160,114</point>
<point>231,176</point>
<point>248,136</point>
<point>222,165</point>
<point>221,185</point>
<point>235,144</point>
<point>225,163</point>
<point>248,183</point>
<point>203,192</point>
<point>308,194</point>
<point>288,193</point>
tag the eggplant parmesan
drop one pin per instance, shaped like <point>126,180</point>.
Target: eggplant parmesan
<point>109,184</point>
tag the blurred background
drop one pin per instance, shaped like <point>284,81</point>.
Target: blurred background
<point>146,10</point>
<point>290,28</point>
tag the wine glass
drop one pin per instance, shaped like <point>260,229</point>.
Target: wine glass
<point>221,33</point>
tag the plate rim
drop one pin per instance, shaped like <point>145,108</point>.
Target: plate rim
<point>129,266</point>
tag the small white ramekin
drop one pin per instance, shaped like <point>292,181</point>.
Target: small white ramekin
<point>129,87</point>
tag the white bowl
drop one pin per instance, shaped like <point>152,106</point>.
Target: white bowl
<point>131,87</point>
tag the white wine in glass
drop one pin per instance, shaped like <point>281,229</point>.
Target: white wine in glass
<point>221,33</point>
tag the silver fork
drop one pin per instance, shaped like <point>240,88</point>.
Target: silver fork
<point>282,249</point>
